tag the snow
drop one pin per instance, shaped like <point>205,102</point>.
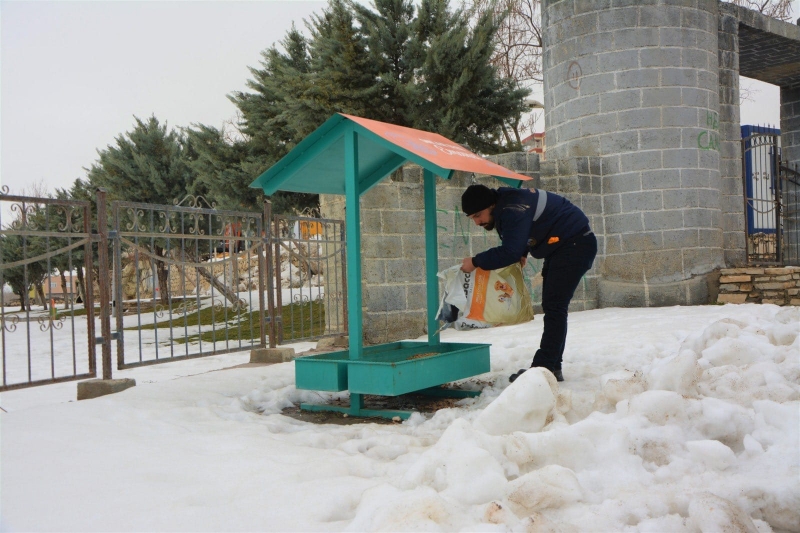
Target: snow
<point>670,419</point>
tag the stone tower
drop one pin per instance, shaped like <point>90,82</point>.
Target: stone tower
<point>632,86</point>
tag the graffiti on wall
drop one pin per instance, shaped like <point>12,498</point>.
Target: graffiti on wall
<point>574,74</point>
<point>708,139</point>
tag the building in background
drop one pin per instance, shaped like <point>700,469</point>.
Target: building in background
<point>534,143</point>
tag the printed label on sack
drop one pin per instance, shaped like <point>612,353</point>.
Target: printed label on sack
<point>478,303</point>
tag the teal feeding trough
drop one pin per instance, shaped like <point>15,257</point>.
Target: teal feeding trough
<point>348,155</point>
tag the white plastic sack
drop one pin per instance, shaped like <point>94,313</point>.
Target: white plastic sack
<point>484,298</point>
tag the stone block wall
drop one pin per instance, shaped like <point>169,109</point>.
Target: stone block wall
<point>780,286</point>
<point>635,86</point>
<point>790,152</point>
<point>730,146</point>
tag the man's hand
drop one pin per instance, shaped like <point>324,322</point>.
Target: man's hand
<point>466,265</point>
<point>523,261</point>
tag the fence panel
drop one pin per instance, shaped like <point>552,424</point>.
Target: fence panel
<point>47,324</point>
<point>760,161</point>
<point>770,199</point>
<point>310,274</point>
<point>180,282</point>
<point>188,281</point>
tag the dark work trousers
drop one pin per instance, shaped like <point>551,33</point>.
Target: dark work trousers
<point>561,273</point>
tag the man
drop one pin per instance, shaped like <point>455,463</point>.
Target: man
<point>549,227</point>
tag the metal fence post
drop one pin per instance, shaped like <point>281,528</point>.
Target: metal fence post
<point>777,190</point>
<point>103,281</point>
<point>277,316</point>
<point>267,271</point>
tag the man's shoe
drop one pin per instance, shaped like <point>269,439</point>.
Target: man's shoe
<point>513,377</point>
<point>557,373</point>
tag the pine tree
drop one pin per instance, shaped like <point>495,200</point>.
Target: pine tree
<point>464,99</point>
<point>425,68</point>
<point>394,55</point>
<point>145,165</point>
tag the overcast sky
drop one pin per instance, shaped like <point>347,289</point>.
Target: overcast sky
<point>74,74</point>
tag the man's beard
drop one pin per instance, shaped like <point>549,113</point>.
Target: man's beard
<point>489,226</point>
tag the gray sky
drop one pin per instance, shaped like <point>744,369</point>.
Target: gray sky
<point>74,74</point>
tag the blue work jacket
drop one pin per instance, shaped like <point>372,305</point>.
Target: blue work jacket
<point>558,222</point>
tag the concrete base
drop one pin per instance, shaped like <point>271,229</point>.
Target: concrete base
<point>621,294</point>
<point>94,388</point>
<point>333,343</point>
<point>271,355</point>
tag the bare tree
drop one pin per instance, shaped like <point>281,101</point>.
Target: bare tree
<point>779,9</point>
<point>518,51</point>
<point>518,48</point>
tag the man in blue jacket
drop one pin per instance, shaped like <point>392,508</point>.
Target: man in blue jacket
<point>549,227</point>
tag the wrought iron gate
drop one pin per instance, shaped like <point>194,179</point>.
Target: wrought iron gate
<point>47,245</point>
<point>770,199</point>
<point>187,281</point>
<point>310,274</point>
<point>176,282</point>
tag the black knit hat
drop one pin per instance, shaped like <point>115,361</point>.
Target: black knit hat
<point>477,198</point>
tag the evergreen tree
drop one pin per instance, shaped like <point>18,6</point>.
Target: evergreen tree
<point>464,99</point>
<point>225,165</point>
<point>395,56</point>
<point>225,168</point>
<point>146,165</point>
<point>425,68</point>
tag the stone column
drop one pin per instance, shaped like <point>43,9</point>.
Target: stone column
<point>790,153</point>
<point>635,84</point>
<point>790,124</point>
<point>730,132</point>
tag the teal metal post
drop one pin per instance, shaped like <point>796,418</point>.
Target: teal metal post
<point>353,225</point>
<point>431,256</point>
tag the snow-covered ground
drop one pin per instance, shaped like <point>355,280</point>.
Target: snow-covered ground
<point>670,419</point>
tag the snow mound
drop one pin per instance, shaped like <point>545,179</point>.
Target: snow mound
<point>526,405</point>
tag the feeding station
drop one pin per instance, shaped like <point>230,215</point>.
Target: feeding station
<point>347,155</point>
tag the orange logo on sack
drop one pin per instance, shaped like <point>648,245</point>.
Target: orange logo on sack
<point>552,240</point>
<point>478,303</point>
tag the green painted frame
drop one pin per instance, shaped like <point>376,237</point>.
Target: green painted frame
<point>345,157</point>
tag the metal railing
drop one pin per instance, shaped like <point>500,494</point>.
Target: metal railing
<point>770,200</point>
<point>160,283</point>
<point>310,276</point>
<point>45,244</point>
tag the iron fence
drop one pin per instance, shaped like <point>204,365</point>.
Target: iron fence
<point>187,281</point>
<point>177,282</point>
<point>47,246</point>
<point>310,274</point>
<point>770,199</point>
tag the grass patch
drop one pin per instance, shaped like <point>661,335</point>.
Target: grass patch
<point>203,317</point>
<point>235,326</point>
<point>297,324</point>
<point>66,313</point>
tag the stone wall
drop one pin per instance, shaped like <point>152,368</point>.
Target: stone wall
<point>779,286</point>
<point>635,86</point>
<point>730,146</point>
